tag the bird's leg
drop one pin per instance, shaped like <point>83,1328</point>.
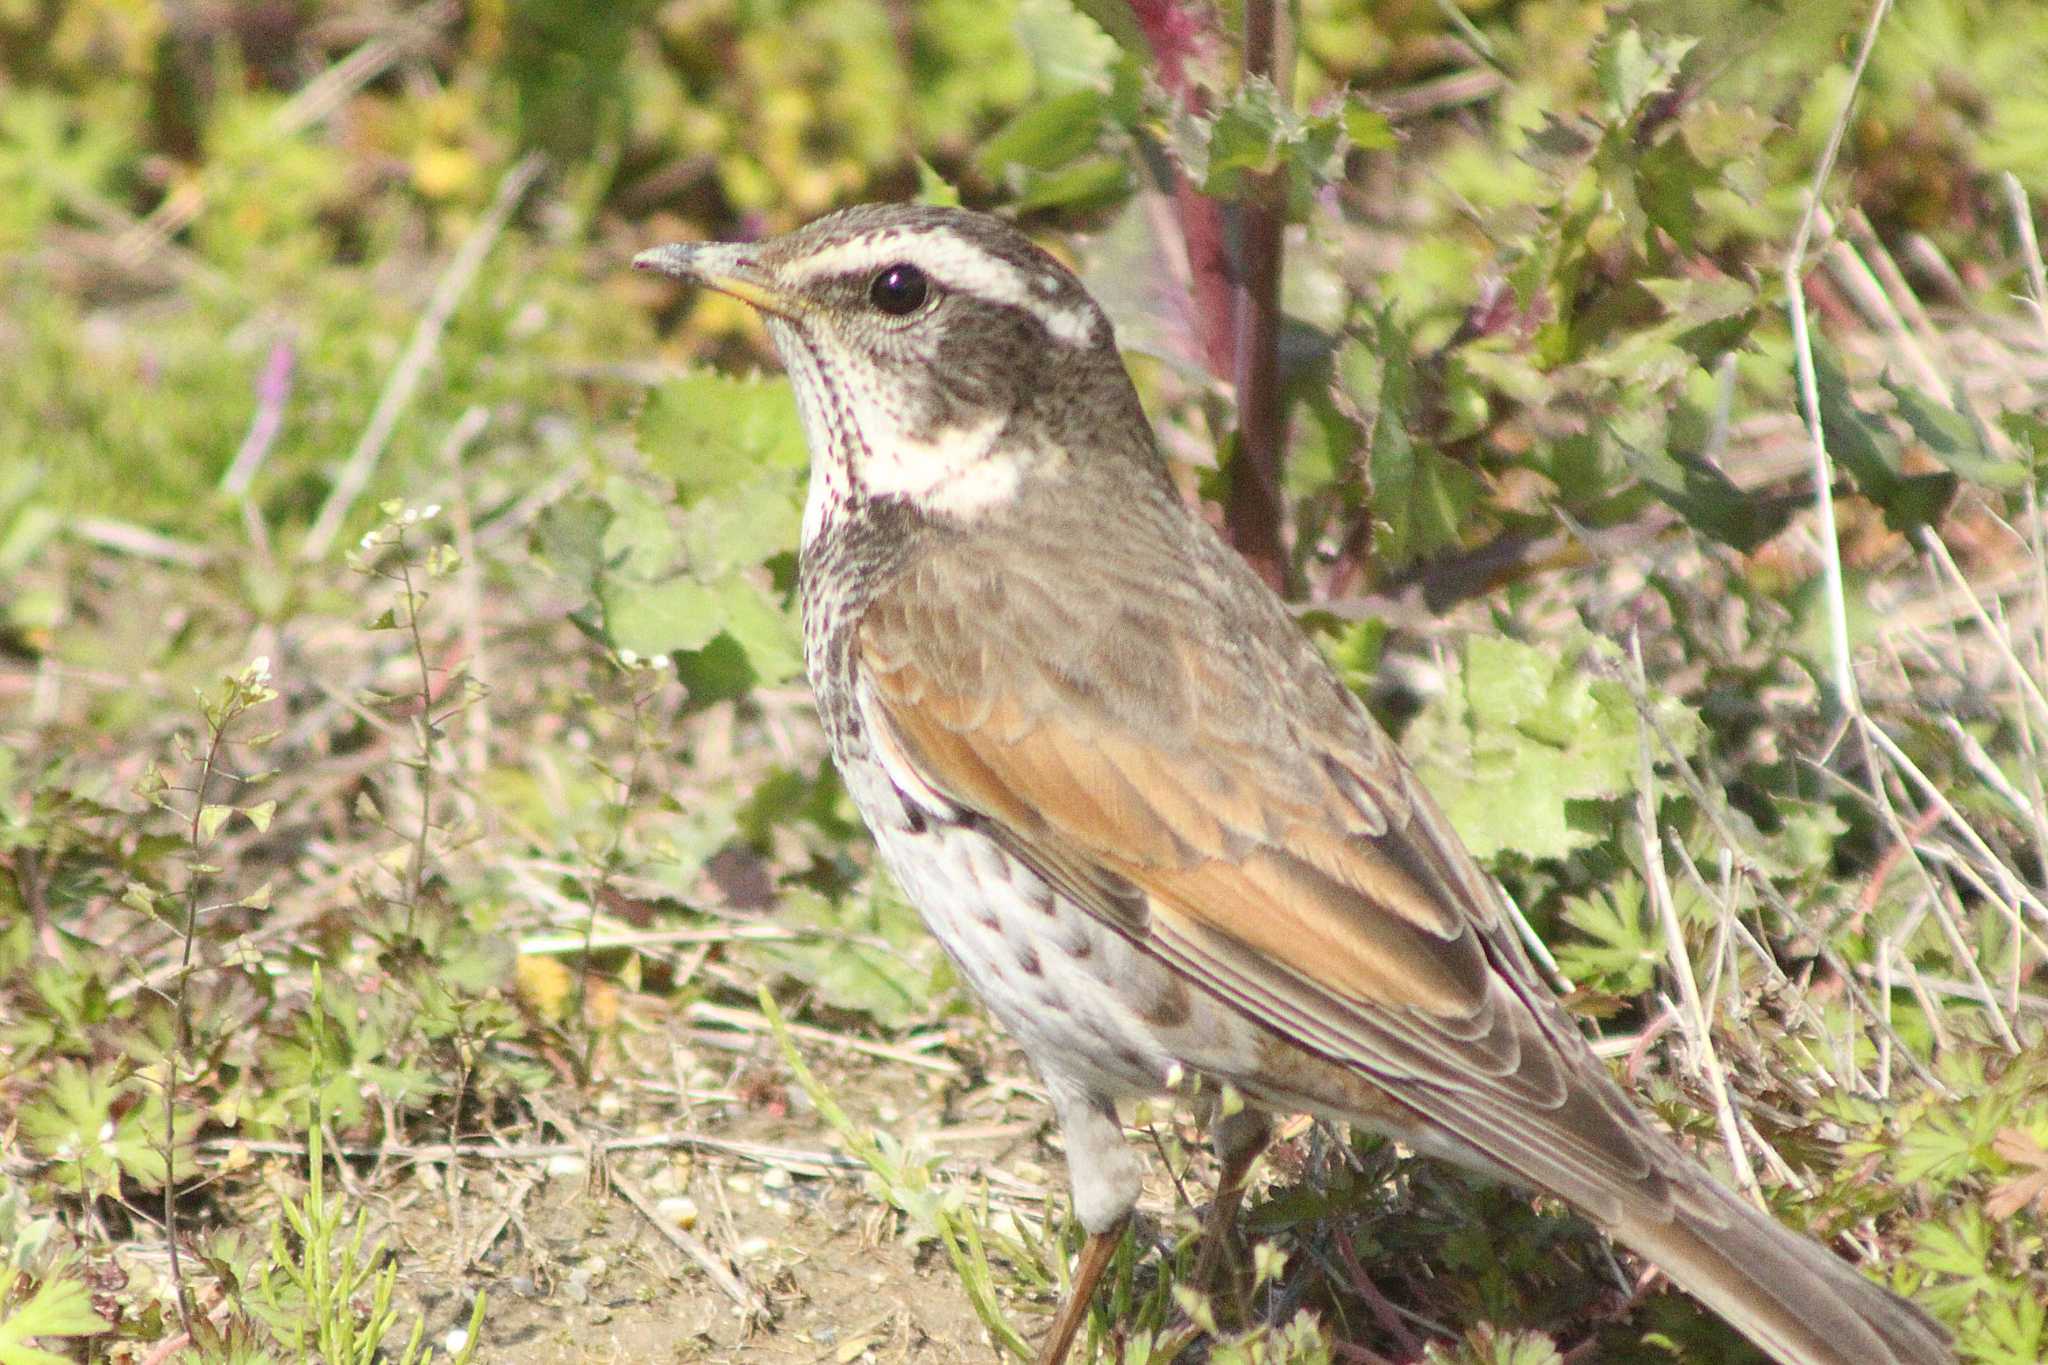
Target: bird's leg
<point>1106,1177</point>
<point>1237,1140</point>
<point>1095,1257</point>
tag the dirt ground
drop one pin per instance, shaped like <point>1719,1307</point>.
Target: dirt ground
<point>579,1272</point>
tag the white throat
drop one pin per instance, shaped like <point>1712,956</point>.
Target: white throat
<point>956,472</point>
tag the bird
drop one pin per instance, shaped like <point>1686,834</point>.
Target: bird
<point>1154,830</point>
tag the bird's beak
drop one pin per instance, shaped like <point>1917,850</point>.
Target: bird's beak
<point>727,267</point>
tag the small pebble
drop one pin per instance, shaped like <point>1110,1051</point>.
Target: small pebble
<point>681,1210</point>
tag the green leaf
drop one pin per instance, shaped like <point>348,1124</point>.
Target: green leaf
<point>1630,70</point>
<point>675,616</point>
<point>1873,458</point>
<point>1521,740</point>
<point>1952,438</point>
<point>709,431</point>
<point>1419,497</point>
<point>1617,950</point>
<point>868,955</point>
<point>1115,18</point>
<point>59,1307</point>
<point>1072,44</point>
<point>1089,183</point>
<point>760,626</point>
<point>569,537</point>
<point>743,526</point>
<point>1708,500</point>
<point>1368,129</point>
<point>211,818</point>
<point>933,188</point>
<point>640,541</point>
<point>1046,136</point>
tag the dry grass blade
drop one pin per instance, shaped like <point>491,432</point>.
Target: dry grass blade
<point>406,375</point>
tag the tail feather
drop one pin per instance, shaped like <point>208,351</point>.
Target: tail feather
<point>1787,1293</point>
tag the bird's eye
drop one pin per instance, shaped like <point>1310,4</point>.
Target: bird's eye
<point>900,289</point>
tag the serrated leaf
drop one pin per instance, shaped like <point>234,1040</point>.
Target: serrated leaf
<point>1630,70</point>
<point>640,540</point>
<point>1521,740</point>
<point>1617,950</point>
<point>709,431</point>
<point>758,625</point>
<point>59,1307</point>
<point>742,526</point>
<point>672,617</point>
<point>1070,44</point>
<point>1114,17</point>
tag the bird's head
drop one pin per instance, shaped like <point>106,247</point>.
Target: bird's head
<point>938,355</point>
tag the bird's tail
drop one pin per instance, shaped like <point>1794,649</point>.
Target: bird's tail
<point>1787,1293</point>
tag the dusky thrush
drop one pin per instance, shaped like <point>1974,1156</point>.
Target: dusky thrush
<point>1138,809</point>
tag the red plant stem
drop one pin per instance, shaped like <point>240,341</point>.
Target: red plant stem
<point>1209,273</point>
<point>1253,510</point>
<point>1236,300</point>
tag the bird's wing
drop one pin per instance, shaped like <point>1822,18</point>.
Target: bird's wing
<point>1226,804</point>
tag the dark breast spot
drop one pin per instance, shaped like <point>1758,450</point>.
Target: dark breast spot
<point>1169,1009</point>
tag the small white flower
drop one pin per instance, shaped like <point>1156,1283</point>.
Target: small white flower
<point>629,658</point>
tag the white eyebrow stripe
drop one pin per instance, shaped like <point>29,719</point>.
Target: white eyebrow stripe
<point>963,267</point>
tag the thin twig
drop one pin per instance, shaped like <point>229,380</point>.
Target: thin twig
<point>706,1012</point>
<point>470,591</point>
